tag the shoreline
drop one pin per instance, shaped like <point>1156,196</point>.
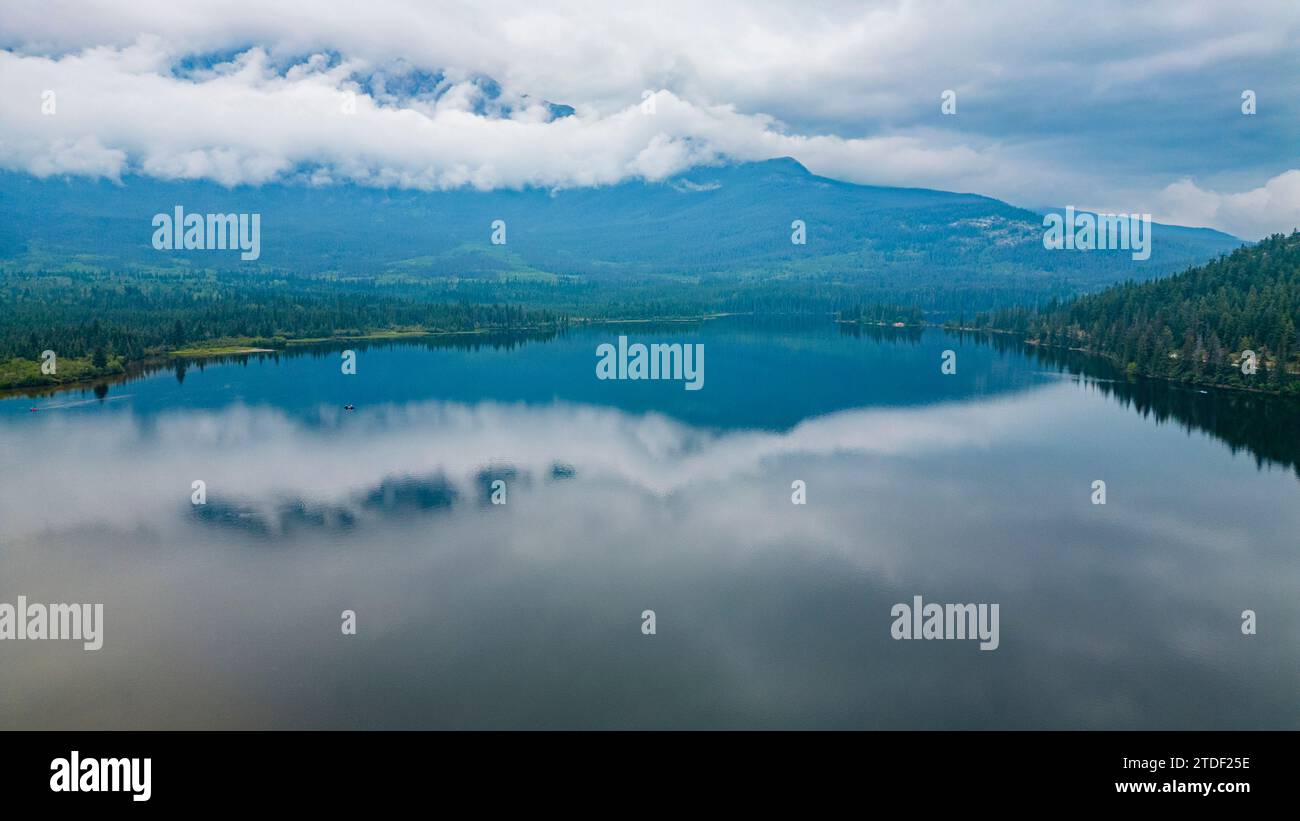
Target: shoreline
<point>139,367</point>
<point>1116,364</point>
<point>198,353</point>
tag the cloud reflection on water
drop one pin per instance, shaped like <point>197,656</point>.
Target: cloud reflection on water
<point>527,615</point>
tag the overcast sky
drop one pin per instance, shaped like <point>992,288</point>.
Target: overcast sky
<point>1123,107</point>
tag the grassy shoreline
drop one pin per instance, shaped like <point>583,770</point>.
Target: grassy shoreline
<point>17,374</point>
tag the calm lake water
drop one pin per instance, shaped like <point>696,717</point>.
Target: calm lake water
<point>627,496</point>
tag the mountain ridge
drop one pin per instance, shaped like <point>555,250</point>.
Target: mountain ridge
<point>722,223</point>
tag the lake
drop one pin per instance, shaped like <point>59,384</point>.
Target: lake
<point>626,496</point>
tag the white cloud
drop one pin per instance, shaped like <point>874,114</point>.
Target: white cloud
<point>81,156</point>
<point>849,89</point>
<point>1274,206</point>
<point>250,123</point>
<point>789,58</point>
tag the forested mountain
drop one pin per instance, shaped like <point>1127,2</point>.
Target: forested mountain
<point>79,273</point>
<point>721,227</point>
<point>1192,327</point>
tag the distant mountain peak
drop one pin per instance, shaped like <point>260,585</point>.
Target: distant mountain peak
<point>787,165</point>
<point>710,177</point>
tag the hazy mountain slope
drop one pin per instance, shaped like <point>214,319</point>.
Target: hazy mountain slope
<point>726,222</point>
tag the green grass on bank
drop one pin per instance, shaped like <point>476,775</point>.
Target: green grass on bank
<point>231,345</point>
<point>26,373</point>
